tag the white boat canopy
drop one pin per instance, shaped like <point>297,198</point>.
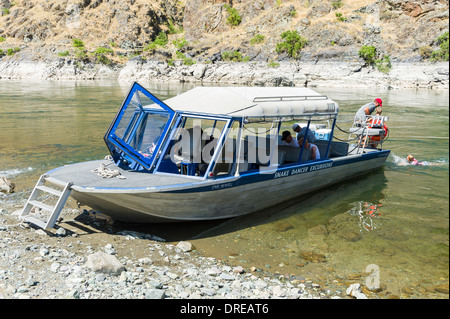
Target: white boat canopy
<point>255,103</point>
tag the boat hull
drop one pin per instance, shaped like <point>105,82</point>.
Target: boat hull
<point>221,198</point>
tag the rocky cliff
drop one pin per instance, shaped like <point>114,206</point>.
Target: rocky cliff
<point>201,31</point>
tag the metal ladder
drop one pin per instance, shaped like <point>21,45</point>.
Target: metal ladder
<point>53,210</point>
<point>363,131</point>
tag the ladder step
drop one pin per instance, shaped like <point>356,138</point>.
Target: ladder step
<point>49,190</point>
<point>53,210</point>
<point>36,221</point>
<point>41,205</point>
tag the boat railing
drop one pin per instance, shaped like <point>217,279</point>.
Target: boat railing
<point>289,98</point>
<point>369,131</point>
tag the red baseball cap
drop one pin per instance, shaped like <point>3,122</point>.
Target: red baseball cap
<point>379,102</point>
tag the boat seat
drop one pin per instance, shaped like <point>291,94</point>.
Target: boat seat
<point>336,148</point>
<point>293,154</point>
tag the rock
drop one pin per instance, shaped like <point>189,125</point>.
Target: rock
<point>105,263</point>
<point>226,277</point>
<point>443,289</point>
<point>313,257</point>
<point>282,226</point>
<point>213,272</point>
<point>318,230</point>
<point>238,270</point>
<point>145,261</point>
<point>6,186</point>
<point>354,290</point>
<point>184,246</point>
<point>61,232</point>
<point>155,294</point>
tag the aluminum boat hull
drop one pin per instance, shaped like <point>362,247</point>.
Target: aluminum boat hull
<point>148,198</point>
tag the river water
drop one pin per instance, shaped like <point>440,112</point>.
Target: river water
<point>395,219</point>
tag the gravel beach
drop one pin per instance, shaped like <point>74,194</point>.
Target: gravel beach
<point>84,258</point>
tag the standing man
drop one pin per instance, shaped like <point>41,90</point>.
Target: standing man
<point>301,132</point>
<point>367,109</point>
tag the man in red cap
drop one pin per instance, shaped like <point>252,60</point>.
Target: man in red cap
<point>367,109</point>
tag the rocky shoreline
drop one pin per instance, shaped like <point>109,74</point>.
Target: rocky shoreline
<point>85,258</point>
<point>310,73</point>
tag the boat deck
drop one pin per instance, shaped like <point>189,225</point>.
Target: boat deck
<point>82,175</point>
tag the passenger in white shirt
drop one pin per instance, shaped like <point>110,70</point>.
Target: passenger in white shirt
<point>315,154</point>
<point>287,139</point>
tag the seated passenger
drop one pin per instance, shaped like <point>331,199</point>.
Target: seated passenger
<point>315,154</point>
<point>287,139</point>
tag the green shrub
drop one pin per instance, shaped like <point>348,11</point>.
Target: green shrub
<point>151,47</point>
<point>337,4</point>
<point>258,38</point>
<point>77,43</point>
<point>173,29</point>
<point>384,64</point>
<point>180,43</point>
<point>161,39</point>
<point>64,53</point>
<point>233,56</point>
<point>233,18</point>
<point>100,55</point>
<point>340,17</point>
<point>10,52</point>
<point>1,52</point>
<point>442,53</point>
<point>273,64</point>
<point>2,39</point>
<point>368,53</point>
<point>292,45</point>
<point>5,11</point>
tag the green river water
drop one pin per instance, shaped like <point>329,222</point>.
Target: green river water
<point>44,125</point>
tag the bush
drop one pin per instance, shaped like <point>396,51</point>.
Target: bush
<point>293,44</point>
<point>233,56</point>
<point>180,43</point>
<point>273,64</point>
<point>233,18</point>
<point>384,64</point>
<point>64,53</point>
<point>100,55</point>
<point>77,43</point>
<point>368,54</point>
<point>340,17</point>
<point>425,52</point>
<point>151,47</point>
<point>258,38</point>
<point>337,4</point>
<point>2,39</point>
<point>161,39</point>
<point>442,53</point>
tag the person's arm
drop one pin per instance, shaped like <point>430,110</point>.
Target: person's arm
<point>313,152</point>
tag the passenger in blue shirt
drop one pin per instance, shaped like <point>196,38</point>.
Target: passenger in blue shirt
<point>301,133</point>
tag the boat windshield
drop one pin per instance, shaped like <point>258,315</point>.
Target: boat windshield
<point>139,129</point>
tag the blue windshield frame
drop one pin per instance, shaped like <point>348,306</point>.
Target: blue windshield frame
<point>121,151</point>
